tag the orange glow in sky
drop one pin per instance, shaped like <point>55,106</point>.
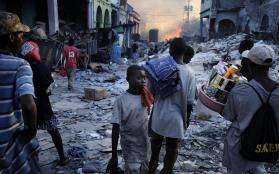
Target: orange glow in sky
<point>172,34</point>
<point>165,15</point>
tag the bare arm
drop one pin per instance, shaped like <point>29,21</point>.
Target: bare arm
<point>114,140</point>
<point>113,163</point>
<point>189,112</point>
<point>29,113</point>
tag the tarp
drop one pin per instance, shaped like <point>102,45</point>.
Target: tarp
<point>119,29</point>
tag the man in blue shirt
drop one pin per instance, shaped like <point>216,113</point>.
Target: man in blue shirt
<point>18,114</point>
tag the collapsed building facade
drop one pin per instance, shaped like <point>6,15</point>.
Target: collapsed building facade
<point>90,22</point>
<point>89,14</point>
<point>219,18</point>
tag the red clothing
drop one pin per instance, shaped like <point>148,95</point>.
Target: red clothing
<point>147,98</point>
<point>71,55</point>
<point>30,51</point>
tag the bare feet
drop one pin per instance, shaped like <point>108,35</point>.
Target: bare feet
<point>64,161</point>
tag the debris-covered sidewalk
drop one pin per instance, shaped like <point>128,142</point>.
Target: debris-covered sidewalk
<point>86,131</point>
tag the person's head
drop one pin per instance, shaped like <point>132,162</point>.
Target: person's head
<point>37,34</point>
<point>189,54</point>
<point>246,44</point>
<point>11,32</point>
<point>135,47</point>
<point>71,42</point>
<point>136,77</point>
<point>244,65</point>
<point>259,60</point>
<point>177,48</point>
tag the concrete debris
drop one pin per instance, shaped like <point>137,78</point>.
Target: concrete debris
<point>77,152</point>
<point>95,93</point>
<point>85,123</point>
<point>97,68</point>
<point>189,166</point>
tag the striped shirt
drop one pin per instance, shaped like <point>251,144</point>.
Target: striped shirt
<point>16,156</point>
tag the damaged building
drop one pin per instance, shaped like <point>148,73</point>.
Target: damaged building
<point>90,14</point>
<point>219,18</point>
<point>63,18</point>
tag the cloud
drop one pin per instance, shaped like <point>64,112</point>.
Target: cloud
<point>166,15</point>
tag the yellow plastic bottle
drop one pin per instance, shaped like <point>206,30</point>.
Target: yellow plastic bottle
<point>231,71</point>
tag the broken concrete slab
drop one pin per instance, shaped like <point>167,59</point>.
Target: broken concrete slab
<point>95,93</point>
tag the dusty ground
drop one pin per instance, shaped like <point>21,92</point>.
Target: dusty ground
<point>85,127</point>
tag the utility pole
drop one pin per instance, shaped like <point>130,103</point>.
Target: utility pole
<point>188,8</point>
<point>188,12</point>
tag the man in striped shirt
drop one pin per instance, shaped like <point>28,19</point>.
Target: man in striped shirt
<point>18,145</point>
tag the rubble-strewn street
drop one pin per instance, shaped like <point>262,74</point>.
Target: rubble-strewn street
<point>113,86</point>
<point>86,130</point>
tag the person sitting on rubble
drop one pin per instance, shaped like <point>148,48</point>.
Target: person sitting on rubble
<point>71,55</point>
<point>171,115</point>
<point>243,102</point>
<point>19,147</point>
<point>43,81</point>
<point>130,119</point>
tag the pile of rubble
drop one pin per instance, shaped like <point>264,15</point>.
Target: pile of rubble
<point>86,131</point>
<point>211,52</point>
<point>84,120</point>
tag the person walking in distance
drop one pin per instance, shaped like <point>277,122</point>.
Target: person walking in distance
<point>71,55</point>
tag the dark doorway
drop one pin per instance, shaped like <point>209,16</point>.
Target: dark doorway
<point>29,11</point>
<point>212,28</point>
<point>113,18</point>
<point>99,17</point>
<point>265,23</point>
<point>14,6</point>
<point>73,11</point>
<point>226,28</point>
<point>106,20</point>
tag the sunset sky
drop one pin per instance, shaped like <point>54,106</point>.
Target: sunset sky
<point>166,15</point>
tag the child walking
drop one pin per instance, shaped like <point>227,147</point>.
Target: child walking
<point>130,120</point>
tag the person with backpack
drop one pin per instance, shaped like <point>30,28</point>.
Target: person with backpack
<point>252,138</point>
<point>173,104</point>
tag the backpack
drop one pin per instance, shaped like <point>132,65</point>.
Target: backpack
<point>163,74</point>
<point>260,140</point>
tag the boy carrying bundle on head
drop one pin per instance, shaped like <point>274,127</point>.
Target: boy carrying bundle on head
<point>130,120</point>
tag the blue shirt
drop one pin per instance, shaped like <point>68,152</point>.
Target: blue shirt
<point>15,81</point>
<point>115,53</point>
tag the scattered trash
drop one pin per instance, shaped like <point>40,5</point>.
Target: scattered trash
<point>97,68</point>
<point>92,167</point>
<point>77,152</point>
<point>85,123</point>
